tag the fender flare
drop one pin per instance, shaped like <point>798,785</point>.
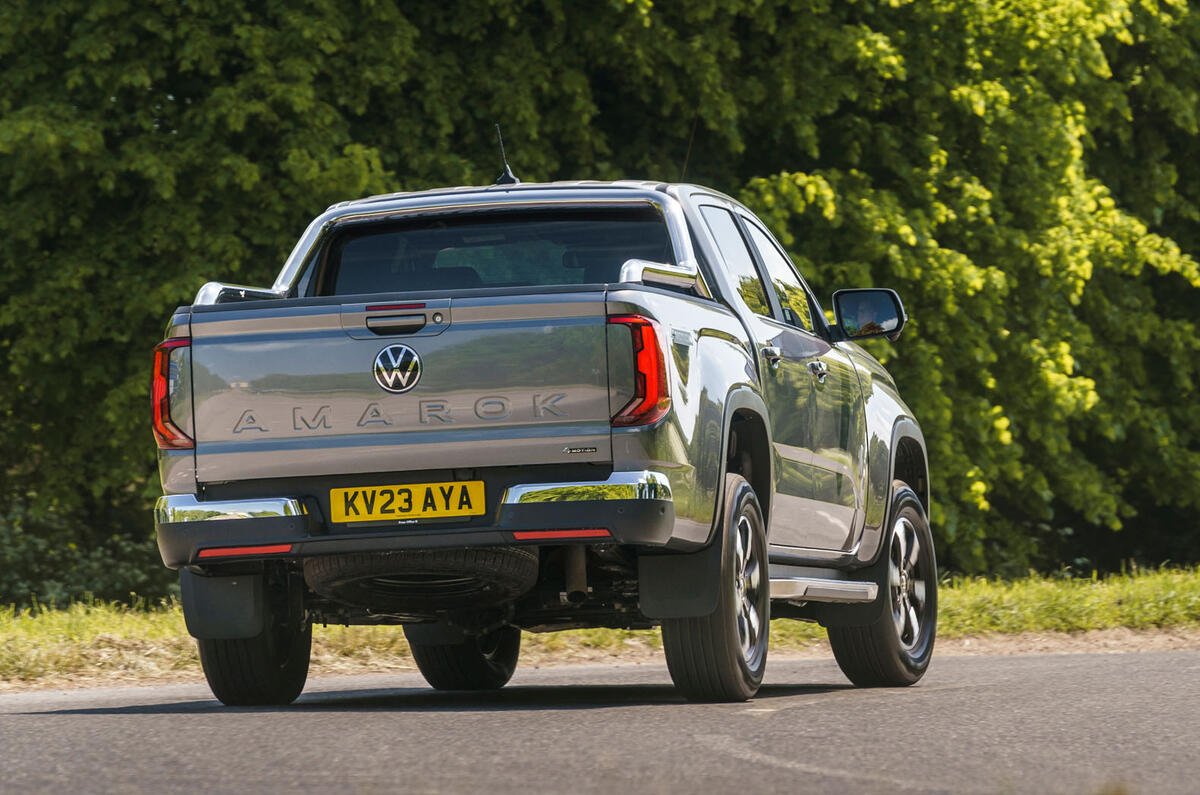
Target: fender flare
<point>904,427</point>
<point>907,427</point>
<point>739,398</point>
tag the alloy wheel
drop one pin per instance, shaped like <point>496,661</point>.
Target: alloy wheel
<point>906,576</point>
<point>748,590</point>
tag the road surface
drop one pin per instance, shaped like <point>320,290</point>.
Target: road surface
<point>1038,723</point>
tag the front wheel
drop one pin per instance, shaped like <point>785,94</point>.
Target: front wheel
<point>895,650</point>
<point>722,656</point>
<point>479,662</point>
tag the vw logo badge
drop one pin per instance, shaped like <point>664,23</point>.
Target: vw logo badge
<point>397,368</point>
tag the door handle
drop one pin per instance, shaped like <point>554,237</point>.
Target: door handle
<point>396,324</point>
<point>772,355</point>
<point>819,369</point>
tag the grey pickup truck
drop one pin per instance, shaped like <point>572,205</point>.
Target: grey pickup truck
<point>476,411</point>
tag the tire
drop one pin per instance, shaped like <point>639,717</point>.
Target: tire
<point>481,662</point>
<point>266,670</point>
<point>722,656</point>
<point>422,581</point>
<point>895,650</point>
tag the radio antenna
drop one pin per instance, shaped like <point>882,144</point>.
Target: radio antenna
<point>506,178</point>
<point>688,155</point>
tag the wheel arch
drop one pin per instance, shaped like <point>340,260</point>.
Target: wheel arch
<point>748,453</point>
<point>746,414</point>
<point>684,585</point>
<point>909,461</point>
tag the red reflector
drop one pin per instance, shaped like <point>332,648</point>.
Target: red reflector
<point>233,552</point>
<point>393,307</point>
<point>166,432</point>
<point>651,395</point>
<point>539,535</point>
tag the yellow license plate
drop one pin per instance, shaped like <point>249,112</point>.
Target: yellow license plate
<point>409,501</point>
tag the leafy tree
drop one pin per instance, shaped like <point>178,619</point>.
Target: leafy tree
<point>143,148</point>
<point>1053,343</point>
<point>1024,175</point>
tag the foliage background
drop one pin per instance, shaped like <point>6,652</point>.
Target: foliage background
<point>1026,175</point>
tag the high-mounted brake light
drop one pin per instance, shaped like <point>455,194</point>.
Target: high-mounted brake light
<point>651,394</point>
<point>166,432</point>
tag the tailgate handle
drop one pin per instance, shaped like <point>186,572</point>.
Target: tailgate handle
<point>396,324</point>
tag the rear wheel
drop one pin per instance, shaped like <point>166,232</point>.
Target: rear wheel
<point>269,669</point>
<point>895,650</point>
<point>722,656</point>
<point>480,662</point>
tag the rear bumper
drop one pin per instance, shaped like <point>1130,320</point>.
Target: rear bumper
<point>634,508</point>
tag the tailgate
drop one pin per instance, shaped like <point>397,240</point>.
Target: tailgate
<point>298,389</point>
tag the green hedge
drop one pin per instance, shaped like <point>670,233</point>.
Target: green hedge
<point>1027,175</point>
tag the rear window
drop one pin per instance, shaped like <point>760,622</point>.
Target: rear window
<point>502,249</point>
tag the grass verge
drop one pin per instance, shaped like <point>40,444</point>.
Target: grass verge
<point>89,642</point>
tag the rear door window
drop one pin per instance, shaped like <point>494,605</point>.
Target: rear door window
<point>738,261</point>
<point>503,249</point>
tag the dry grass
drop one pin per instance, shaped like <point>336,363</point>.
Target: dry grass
<point>88,643</point>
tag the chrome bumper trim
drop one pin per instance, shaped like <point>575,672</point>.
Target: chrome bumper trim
<point>646,485</point>
<point>186,508</point>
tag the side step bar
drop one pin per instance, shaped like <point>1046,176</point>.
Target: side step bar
<point>812,589</point>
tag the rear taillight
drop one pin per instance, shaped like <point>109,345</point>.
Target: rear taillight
<point>167,385</point>
<point>651,395</point>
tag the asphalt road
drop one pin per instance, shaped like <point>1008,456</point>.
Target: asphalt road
<point>1039,723</point>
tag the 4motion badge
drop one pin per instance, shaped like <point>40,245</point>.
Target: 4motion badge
<point>397,368</point>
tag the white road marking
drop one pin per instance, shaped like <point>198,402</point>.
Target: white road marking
<point>726,744</point>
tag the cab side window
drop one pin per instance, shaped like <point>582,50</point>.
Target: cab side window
<point>793,298</point>
<point>737,258</point>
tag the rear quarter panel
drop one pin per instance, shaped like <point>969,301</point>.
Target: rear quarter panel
<point>707,358</point>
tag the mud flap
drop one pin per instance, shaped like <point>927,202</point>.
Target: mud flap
<point>223,608</point>
<point>680,586</point>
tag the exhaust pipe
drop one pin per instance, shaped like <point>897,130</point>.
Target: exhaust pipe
<point>575,568</point>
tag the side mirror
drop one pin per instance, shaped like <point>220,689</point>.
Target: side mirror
<point>684,276</point>
<point>866,313</point>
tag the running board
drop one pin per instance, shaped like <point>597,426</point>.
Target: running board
<point>812,589</point>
